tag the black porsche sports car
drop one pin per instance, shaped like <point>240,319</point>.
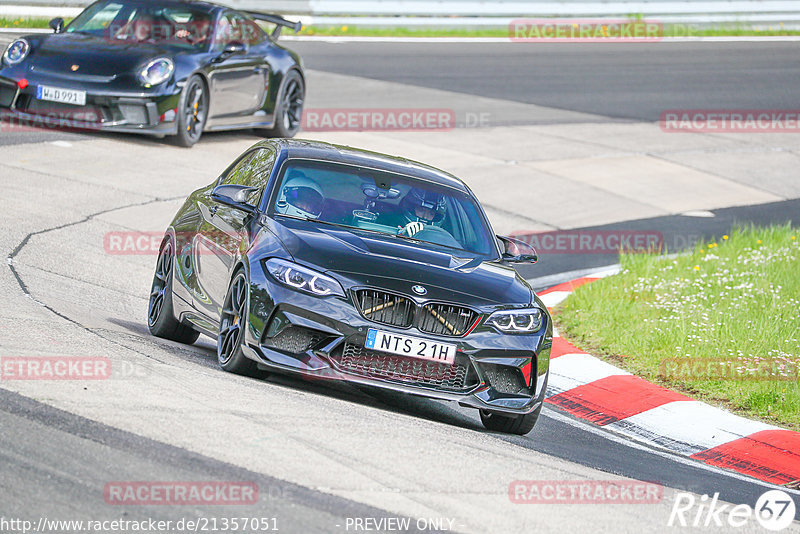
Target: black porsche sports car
<point>343,264</point>
<point>162,68</point>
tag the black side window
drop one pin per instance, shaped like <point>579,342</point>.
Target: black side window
<point>252,170</point>
<point>234,27</point>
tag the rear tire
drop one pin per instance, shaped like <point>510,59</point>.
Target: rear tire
<point>232,325</point>
<point>160,316</point>
<point>192,112</point>
<point>510,424</point>
<point>289,107</point>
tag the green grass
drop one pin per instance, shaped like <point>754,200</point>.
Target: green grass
<point>364,31</point>
<point>721,323</point>
<point>669,31</point>
<point>24,22</point>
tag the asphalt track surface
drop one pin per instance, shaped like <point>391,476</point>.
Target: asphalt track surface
<point>614,80</point>
<point>52,458</point>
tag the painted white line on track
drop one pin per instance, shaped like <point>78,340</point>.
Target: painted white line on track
<point>552,280</point>
<point>689,422</point>
<point>609,434</point>
<point>555,298</point>
<point>573,370</point>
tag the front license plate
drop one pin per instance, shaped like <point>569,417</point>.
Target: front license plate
<point>64,96</point>
<point>413,347</point>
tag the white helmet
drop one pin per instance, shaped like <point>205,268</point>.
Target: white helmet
<point>300,196</point>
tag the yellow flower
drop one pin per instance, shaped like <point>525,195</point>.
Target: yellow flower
<point>758,242</point>
<point>344,28</point>
<point>725,237</point>
<point>696,267</point>
<point>793,238</point>
<point>702,251</point>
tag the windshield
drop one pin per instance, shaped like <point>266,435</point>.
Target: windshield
<point>382,202</point>
<point>181,26</point>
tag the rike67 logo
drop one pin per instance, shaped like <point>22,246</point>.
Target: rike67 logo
<point>774,510</point>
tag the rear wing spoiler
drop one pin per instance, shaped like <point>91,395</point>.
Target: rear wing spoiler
<point>277,20</point>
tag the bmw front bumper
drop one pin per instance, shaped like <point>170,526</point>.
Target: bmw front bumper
<point>324,338</point>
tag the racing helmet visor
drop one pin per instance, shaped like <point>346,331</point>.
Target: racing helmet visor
<point>305,198</point>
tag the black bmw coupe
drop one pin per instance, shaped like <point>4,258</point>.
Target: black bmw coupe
<point>166,68</point>
<point>342,264</point>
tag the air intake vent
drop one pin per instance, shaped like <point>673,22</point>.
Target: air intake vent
<point>504,378</point>
<point>385,308</point>
<point>295,339</point>
<point>446,319</point>
<point>361,361</point>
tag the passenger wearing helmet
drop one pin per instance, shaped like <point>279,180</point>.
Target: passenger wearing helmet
<point>419,208</point>
<point>300,196</point>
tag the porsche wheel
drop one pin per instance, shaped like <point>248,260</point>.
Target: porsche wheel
<point>289,108</point>
<point>192,112</point>
<point>509,424</point>
<point>232,328</point>
<point>160,317</point>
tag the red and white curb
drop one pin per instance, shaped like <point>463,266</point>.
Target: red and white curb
<point>604,395</point>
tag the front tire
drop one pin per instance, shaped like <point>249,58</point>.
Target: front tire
<point>510,424</point>
<point>289,107</point>
<point>232,325</point>
<point>160,315</point>
<point>192,112</point>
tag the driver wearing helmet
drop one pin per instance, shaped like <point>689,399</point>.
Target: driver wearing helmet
<point>420,208</point>
<point>300,196</point>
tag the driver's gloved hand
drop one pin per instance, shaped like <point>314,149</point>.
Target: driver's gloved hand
<point>412,228</point>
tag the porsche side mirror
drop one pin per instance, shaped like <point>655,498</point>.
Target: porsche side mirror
<point>235,196</point>
<point>516,251</point>
<point>234,48</point>
<point>57,25</point>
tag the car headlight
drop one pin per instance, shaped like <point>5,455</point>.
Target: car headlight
<point>303,279</point>
<point>525,321</point>
<point>16,52</point>
<point>157,71</point>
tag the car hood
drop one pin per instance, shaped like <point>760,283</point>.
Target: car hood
<point>94,56</point>
<point>360,258</point>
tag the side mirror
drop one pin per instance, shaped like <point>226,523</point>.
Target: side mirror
<point>57,25</point>
<point>516,251</point>
<point>234,48</point>
<point>234,195</point>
